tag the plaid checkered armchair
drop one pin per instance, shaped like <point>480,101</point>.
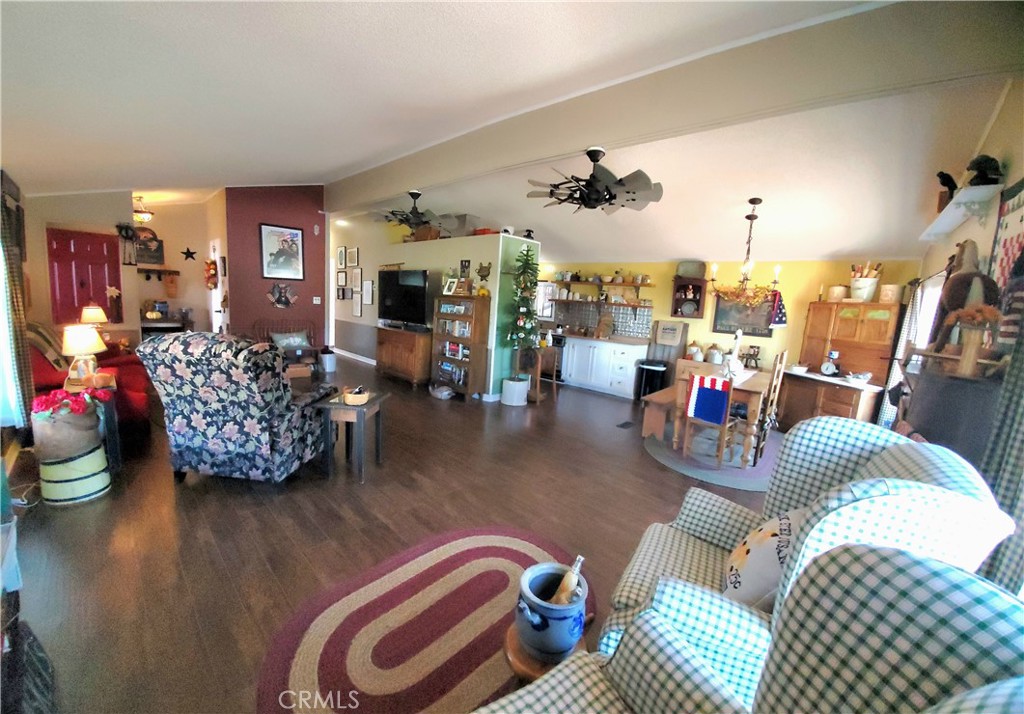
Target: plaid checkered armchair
<point>865,629</point>
<point>860,483</point>
<point>228,409</point>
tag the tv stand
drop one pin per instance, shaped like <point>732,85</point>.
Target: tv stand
<point>404,354</point>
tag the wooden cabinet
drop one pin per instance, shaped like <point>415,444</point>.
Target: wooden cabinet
<point>689,297</point>
<point>459,352</point>
<point>608,367</point>
<point>862,333</point>
<point>806,396</point>
<point>404,354</point>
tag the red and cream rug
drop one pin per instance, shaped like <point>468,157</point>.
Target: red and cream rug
<point>422,631</point>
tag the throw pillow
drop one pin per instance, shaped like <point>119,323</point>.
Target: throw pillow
<point>754,569</point>
<point>291,340</point>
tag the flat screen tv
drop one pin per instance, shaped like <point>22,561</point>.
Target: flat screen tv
<point>406,296</point>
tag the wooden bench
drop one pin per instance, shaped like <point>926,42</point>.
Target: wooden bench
<point>659,410</point>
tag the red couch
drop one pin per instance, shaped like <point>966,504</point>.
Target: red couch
<point>131,397</point>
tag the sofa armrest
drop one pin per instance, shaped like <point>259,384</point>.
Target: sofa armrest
<point>577,685</point>
<point>319,391</point>
<point>715,519</point>
<point>655,669</point>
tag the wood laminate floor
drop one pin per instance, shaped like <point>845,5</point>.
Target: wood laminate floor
<point>163,598</point>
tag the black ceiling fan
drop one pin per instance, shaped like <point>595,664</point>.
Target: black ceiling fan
<point>601,189</point>
<point>413,218</point>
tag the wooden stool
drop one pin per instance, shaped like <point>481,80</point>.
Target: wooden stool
<point>658,407</point>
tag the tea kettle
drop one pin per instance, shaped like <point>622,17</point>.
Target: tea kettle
<point>694,352</point>
<point>714,354</point>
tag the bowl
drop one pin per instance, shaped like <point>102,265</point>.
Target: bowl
<point>798,368</point>
<point>606,278</point>
<point>354,400</point>
<point>858,377</point>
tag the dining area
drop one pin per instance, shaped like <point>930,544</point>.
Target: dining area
<point>729,408</point>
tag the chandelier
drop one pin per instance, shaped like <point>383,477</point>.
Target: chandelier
<point>140,214</point>
<point>745,292</point>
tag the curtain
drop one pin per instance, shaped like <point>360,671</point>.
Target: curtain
<point>887,414</point>
<point>1003,467</point>
<point>15,369</point>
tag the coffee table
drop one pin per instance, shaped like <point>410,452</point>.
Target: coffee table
<point>354,417</point>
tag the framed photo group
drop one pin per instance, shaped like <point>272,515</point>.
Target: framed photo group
<point>350,274</point>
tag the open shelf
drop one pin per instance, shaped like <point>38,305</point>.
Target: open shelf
<point>968,201</point>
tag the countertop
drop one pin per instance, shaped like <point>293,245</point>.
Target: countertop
<point>614,339</point>
<point>838,381</point>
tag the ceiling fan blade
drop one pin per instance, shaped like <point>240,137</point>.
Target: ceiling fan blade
<point>610,209</point>
<point>636,181</point>
<point>578,209</point>
<point>447,222</point>
<point>571,179</point>
<point>535,182</point>
<point>429,216</point>
<point>540,194</point>
<point>552,203</point>
<point>602,177</point>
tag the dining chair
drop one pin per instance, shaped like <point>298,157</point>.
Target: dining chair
<point>769,407</point>
<point>708,404</point>
<point>685,368</point>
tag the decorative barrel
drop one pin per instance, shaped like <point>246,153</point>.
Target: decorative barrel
<point>72,460</point>
<point>548,632</point>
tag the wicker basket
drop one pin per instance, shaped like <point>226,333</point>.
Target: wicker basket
<point>354,400</point>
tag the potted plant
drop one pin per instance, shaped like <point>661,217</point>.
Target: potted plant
<point>65,429</point>
<point>524,330</point>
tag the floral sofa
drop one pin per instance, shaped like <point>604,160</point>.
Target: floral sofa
<point>228,409</point>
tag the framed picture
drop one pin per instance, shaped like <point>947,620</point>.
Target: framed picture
<point>149,250</point>
<point>351,257</point>
<point>449,286</point>
<point>754,321</point>
<point>341,258</point>
<point>357,308</point>
<point>223,266</point>
<point>357,276</point>
<point>341,293</point>
<point>367,292</point>
<point>281,252</point>
<point>341,279</point>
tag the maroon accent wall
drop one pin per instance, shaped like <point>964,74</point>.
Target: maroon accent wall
<point>291,206</point>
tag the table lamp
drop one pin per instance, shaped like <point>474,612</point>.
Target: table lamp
<point>82,342</point>
<point>93,314</point>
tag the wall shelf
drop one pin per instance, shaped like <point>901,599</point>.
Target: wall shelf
<point>969,201</point>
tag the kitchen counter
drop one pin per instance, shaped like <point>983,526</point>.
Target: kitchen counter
<point>613,339</point>
<point>838,381</point>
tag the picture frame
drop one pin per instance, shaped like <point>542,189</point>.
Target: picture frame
<point>357,276</point>
<point>449,286</point>
<point>341,279</point>
<point>731,316</point>
<point>352,257</point>
<point>341,293</point>
<point>367,292</point>
<point>357,308</point>
<point>281,252</point>
<point>149,250</point>
<point>341,258</point>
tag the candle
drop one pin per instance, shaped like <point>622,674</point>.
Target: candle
<point>778,269</point>
<point>714,270</point>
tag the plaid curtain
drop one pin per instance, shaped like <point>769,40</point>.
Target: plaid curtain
<point>15,345</point>
<point>1003,466</point>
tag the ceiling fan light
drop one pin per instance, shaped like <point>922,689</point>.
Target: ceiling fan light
<point>140,214</point>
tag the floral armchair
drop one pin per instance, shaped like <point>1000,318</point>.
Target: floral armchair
<point>865,629</point>
<point>228,409</point>
<point>858,482</point>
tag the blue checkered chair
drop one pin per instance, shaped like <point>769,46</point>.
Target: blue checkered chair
<point>861,484</point>
<point>228,409</point>
<point>865,630</point>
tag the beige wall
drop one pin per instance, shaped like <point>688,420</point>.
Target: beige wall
<point>1005,142</point>
<point>93,212</point>
<point>180,227</point>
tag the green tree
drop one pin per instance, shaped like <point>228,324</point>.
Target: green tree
<point>524,332</point>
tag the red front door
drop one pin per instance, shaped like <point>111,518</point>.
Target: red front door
<point>82,267</point>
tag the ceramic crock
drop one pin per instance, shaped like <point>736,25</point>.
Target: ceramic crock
<point>548,632</point>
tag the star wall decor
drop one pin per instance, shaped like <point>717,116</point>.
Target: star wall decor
<point>189,253</point>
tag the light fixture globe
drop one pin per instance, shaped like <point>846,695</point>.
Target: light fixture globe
<point>140,214</point>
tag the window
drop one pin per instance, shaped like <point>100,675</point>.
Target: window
<point>546,293</point>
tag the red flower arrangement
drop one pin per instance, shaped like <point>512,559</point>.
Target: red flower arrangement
<point>61,401</point>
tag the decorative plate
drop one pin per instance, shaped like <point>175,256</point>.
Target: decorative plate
<point>282,295</point>
<point>688,308</point>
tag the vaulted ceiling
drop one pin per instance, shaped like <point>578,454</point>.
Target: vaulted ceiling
<point>174,100</point>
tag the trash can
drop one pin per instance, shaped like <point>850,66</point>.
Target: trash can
<point>650,377</point>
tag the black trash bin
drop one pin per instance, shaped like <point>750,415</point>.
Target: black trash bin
<point>650,377</point>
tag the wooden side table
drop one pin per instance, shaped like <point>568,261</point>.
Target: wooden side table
<point>354,418</point>
<point>540,353</point>
<point>526,667</point>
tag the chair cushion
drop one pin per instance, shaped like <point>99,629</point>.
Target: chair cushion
<point>670,552</point>
<point>291,340</point>
<point>754,569</point>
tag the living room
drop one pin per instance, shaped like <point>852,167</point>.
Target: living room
<point>215,567</point>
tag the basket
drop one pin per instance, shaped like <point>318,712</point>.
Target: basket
<point>354,400</point>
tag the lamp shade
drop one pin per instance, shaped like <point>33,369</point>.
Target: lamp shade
<point>82,340</point>
<point>93,313</point>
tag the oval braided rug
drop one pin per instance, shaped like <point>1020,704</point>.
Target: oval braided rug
<point>422,631</point>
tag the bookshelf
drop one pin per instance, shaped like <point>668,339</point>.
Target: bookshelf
<point>459,351</point>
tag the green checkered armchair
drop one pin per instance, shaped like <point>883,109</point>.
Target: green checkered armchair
<point>865,629</point>
<point>861,484</point>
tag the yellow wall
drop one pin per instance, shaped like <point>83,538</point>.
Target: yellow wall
<point>799,283</point>
<point>180,227</point>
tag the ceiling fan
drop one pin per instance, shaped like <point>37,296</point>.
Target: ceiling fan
<point>415,218</point>
<point>601,189</point>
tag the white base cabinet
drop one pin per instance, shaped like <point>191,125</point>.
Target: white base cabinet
<point>608,367</point>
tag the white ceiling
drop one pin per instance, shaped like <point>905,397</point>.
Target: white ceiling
<point>174,100</point>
